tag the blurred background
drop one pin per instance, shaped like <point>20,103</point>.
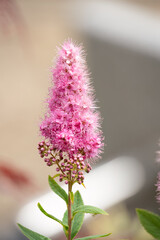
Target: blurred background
<point>122,42</point>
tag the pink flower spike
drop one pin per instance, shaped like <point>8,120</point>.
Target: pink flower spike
<point>158,188</point>
<point>71,124</point>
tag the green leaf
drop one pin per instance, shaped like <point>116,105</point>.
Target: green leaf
<point>57,175</point>
<point>51,216</point>
<point>65,218</point>
<point>94,236</point>
<point>57,189</point>
<point>89,209</point>
<point>72,197</point>
<point>78,219</point>
<point>31,234</point>
<point>150,221</point>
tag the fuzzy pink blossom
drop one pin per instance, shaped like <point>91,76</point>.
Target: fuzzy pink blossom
<point>158,154</point>
<point>158,187</point>
<point>71,124</point>
<point>158,176</point>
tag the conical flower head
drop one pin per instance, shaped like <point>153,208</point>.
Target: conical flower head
<point>71,124</point>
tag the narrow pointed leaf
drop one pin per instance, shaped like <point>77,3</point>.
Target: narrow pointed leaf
<point>78,219</point>
<point>72,197</point>
<point>57,189</point>
<point>94,236</point>
<point>150,221</point>
<point>65,218</point>
<point>89,209</point>
<point>56,175</point>
<point>31,234</point>
<point>51,216</point>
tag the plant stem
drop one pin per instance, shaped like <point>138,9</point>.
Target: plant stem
<point>69,207</point>
<point>59,167</point>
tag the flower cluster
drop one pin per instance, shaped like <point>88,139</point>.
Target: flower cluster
<point>158,177</point>
<point>65,165</point>
<point>71,124</point>
<point>158,187</point>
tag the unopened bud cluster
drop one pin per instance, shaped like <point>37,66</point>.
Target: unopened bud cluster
<point>70,169</point>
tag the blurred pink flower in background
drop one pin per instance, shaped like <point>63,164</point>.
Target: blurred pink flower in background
<point>11,16</point>
<point>15,182</point>
<point>158,176</point>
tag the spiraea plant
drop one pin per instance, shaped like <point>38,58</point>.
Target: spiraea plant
<point>149,220</point>
<point>72,137</point>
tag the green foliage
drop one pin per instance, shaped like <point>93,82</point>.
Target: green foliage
<point>56,175</point>
<point>78,211</point>
<point>51,216</point>
<point>89,209</point>
<point>78,219</point>
<point>150,221</point>
<point>57,189</point>
<point>94,236</point>
<point>31,234</point>
<point>65,218</point>
<point>72,197</point>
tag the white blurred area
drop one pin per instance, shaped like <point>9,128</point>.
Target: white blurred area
<point>122,42</point>
<point>121,22</point>
<point>105,186</point>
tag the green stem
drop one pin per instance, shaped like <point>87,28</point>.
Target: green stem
<point>69,207</point>
<point>59,167</point>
